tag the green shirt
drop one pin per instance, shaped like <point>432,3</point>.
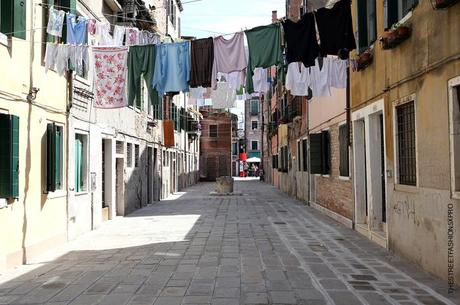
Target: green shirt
<point>264,50</point>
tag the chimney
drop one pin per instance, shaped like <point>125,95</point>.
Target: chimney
<point>274,16</point>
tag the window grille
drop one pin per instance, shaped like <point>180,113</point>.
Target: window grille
<point>405,115</point>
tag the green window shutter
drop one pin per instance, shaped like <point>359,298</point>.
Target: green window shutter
<point>19,22</point>
<point>305,155</point>
<point>50,157</point>
<point>326,150</point>
<point>316,153</point>
<point>344,158</point>
<point>15,156</point>
<point>6,16</point>
<point>9,156</point>
<point>78,164</point>
<point>58,160</point>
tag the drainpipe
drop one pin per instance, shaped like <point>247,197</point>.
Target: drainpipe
<point>308,154</point>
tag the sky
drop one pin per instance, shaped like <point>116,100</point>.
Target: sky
<point>207,18</point>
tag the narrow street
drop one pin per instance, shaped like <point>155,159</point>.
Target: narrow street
<point>258,248</point>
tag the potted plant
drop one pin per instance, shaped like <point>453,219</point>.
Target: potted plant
<point>439,4</point>
<point>395,36</point>
<point>364,59</point>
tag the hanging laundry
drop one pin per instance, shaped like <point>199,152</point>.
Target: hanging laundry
<point>62,59</point>
<point>55,22</point>
<point>141,62</point>
<point>172,67</point>
<point>192,102</point>
<point>302,44</point>
<point>79,58</point>
<point>50,56</point>
<point>264,44</point>
<point>320,82</point>
<point>91,26</point>
<point>234,79</point>
<point>148,37</point>
<point>132,36</point>
<point>298,79</point>
<point>313,5</point>
<point>118,36</point>
<point>229,55</point>
<point>335,28</point>
<point>103,37</point>
<point>110,76</point>
<point>208,102</point>
<point>197,93</point>
<point>76,29</point>
<point>200,102</point>
<point>259,79</point>
<point>223,97</point>
<point>338,73</point>
<point>202,59</point>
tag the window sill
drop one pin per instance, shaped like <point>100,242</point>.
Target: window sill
<point>344,178</point>
<point>4,40</point>
<point>326,176</point>
<point>455,195</point>
<point>81,193</point>
<point>57,194</point>
<point>406,188</point>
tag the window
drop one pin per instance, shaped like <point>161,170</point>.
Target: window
<point>254,125</point>
<point>405,135</point>
<point>454,96</point>
<point>343,147</point>
<point>395,10</point>
<point>129,155</point>
<point>299,152</point>
<point>164,157</point>
<point>13,18</point>
<point>254,145</point>
<point>320,153</point>
<point>80,163</point>
<point>54,157</point>
<point>254,107</point>
<point>213,131</point>
<point>305,154</point>
<point>275,161</point>
<point>283,159</point>
<point>367,26</point>
<point>235,149</point>
<point>136,155</point>
<point>9,156</point>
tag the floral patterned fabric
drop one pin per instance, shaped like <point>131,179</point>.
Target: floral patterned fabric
<point>110,76</point>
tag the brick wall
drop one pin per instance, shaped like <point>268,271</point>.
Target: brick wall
<point>332,192</point>
<point>215,153</point>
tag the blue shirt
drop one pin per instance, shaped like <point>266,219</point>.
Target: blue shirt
<point>76,30</point>
<point>172,67</point>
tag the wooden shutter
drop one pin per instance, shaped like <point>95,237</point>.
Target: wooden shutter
<point>51,157</point>
<point>6,16</point>
<point>305,155</point>
<point>316,153</point>
<point>299,153</point>
<point>9,156</point>
<point>362,25</point>
<point>78,164</point>
<point>14,156</point>
<point>372,22</point>
<point>326,153</point>
<point>59,155</point>
<point>344,158</point>
<point>19,23</point>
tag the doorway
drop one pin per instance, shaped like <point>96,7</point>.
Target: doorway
<point>370,171</point>
<point>119,186</point>
<point>149,175</point>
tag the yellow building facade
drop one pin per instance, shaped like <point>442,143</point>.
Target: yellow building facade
<point>32,217</point>
<point>405,111</point>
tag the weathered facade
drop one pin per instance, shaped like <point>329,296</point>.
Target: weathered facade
<point>215,144</point>
<point>405,117</point>
<point>253,127</point>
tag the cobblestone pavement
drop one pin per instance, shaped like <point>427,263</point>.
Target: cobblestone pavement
<point>259,248</point>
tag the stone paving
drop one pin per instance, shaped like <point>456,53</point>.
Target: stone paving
<point>259,248</point>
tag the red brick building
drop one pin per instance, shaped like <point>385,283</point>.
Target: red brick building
<point>215,144</point>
